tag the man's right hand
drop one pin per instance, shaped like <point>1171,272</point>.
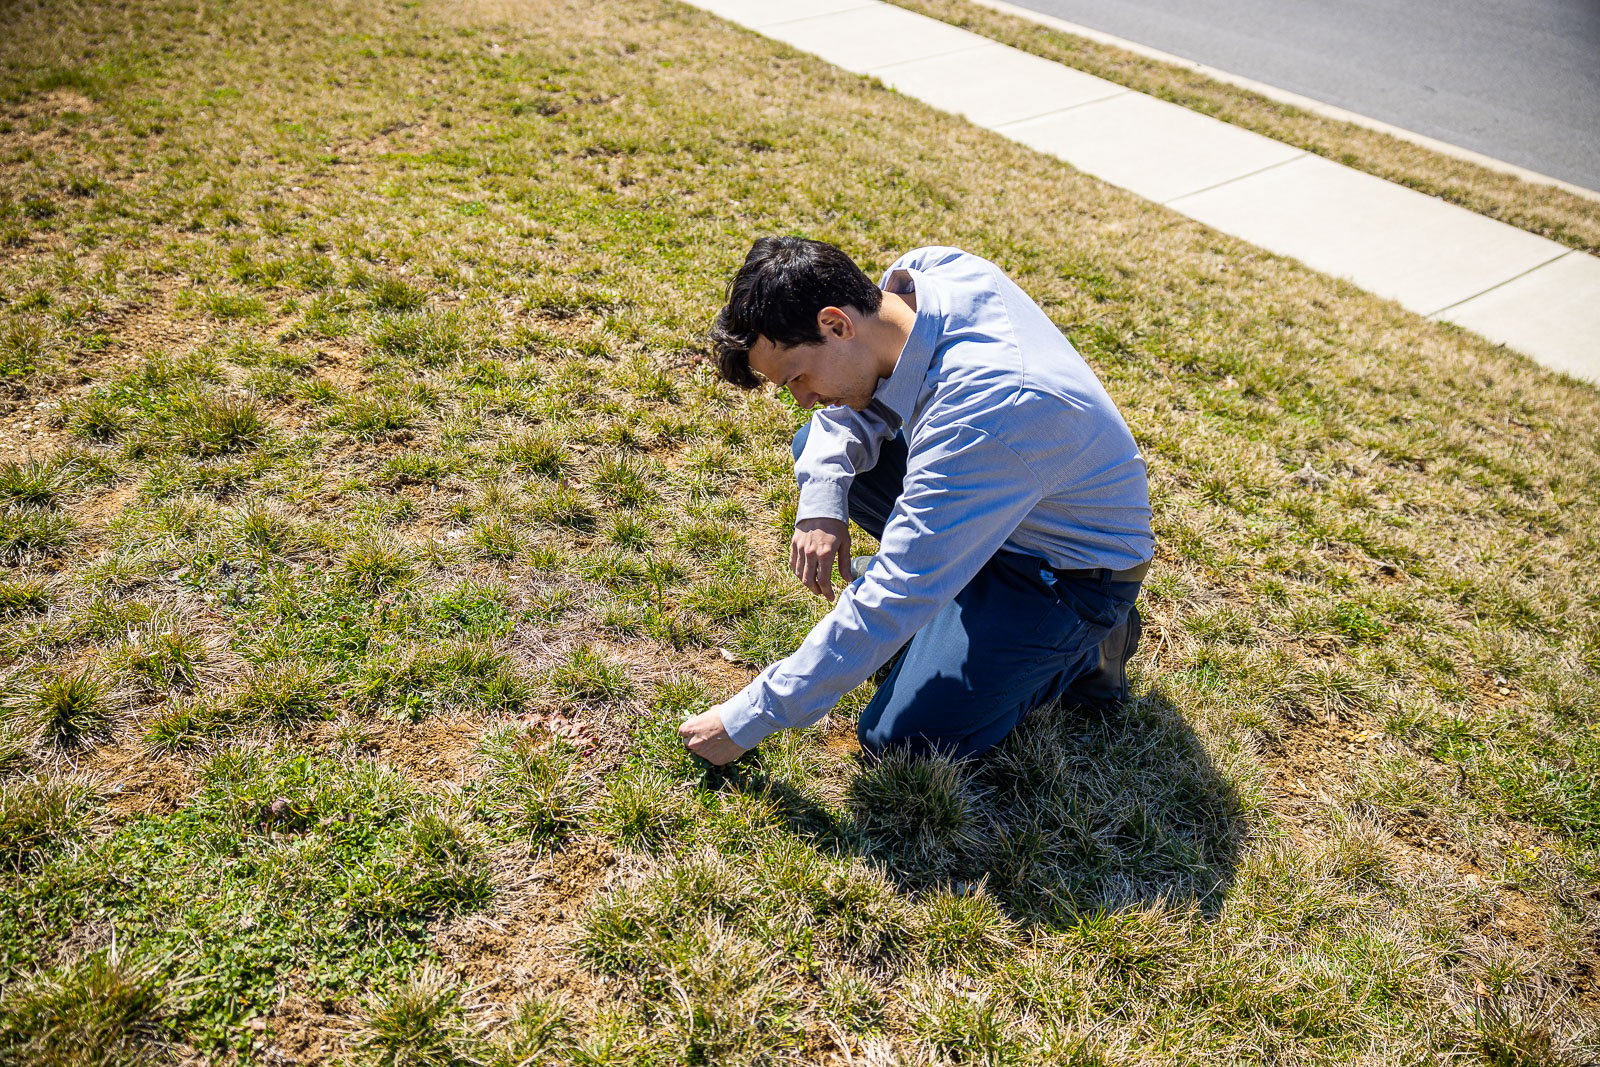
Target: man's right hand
<point>817,546</point>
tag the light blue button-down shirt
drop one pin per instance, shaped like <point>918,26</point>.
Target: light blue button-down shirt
<point>1013,444</point>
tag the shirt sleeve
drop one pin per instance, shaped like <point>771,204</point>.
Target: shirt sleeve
<point>840,442</point>
<point>965,492</point>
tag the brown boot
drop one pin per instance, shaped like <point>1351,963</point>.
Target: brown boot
<point>1103,688</point>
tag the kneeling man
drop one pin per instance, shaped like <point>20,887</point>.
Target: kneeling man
<point>964,432</point>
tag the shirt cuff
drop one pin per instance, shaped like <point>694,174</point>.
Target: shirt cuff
<point>823,500</point>
<point>747,725</point>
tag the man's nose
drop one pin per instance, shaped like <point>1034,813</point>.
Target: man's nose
<point>804,398</point>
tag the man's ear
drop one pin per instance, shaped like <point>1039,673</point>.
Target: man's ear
<point>836,322</point>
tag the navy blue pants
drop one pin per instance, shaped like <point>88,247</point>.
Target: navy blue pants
<point>1015,638</point>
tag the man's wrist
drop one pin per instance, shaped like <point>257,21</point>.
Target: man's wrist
<point>824,500</point>
<point>745,724</point>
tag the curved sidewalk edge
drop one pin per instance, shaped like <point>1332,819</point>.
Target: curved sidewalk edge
<point>1432,257</point>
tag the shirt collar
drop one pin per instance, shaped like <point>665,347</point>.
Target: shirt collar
<point>902,390</point>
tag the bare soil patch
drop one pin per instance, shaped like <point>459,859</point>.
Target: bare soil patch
<point>522,945</point>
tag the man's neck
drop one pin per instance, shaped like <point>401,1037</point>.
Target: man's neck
<point>892,326</point>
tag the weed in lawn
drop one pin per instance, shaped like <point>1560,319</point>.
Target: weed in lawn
<point>853,1001</point>
<point>417,680</point>
<point>539,1030</point>
<point>473,606</point>
<point>186,723</point>
<point>97,417</point>
<point>963,1028</point>
<point>925,806</point>
<point>268,529</point>
<point>630,530</point>
<point>495,539</point>
<point>282,692</point>
<point>395,294</point>
<point>560,506</point>
<point>429,338</point>
<point>28,345</point>
<point>625,482</point>
<point>642,808</point>
<point>419,1023</point>
<point>377,568</point>
<point>964,929</point>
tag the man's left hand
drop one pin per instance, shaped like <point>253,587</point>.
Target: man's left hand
<point>705,736</point>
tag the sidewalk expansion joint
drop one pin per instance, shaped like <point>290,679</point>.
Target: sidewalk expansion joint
<point>1009,124</point>
<point>1170,201</point>
<point>873,72</point>
<point>1500,284</point>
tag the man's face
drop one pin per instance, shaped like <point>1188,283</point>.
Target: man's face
<point>839,370</point>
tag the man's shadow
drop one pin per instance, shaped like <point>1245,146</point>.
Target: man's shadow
<point>1071,814</point>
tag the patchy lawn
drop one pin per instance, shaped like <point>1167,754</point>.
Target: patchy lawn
<point>369,519</point>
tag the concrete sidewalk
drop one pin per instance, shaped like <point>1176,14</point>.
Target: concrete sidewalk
<point>1435,258</point>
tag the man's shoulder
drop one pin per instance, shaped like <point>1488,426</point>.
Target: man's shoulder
<point>941,259</point>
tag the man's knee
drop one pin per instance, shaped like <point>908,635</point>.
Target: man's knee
<point>880,739</point>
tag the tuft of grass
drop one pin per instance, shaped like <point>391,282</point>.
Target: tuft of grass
<point>376,568</point>
<point>540,1030</point>
<point>959,1027</point>
<point>495,539</point>
<point>419,1023</point>
<point>182,724</point>
<point>33,482</point>
<point>560,506</point>
<point>964,928</point>
<point>642,808</point>
<point>417,680</point>
<point>284,692</point>
<point>395,294</point>
<point>925,805</point>
<point>218,426</point>
<point>588,676</point>
<point>430,338</point>
<point>625,482</point>
<point>535,453</point>
<point>473,606</point>
<point>268,529</point>
<point>110,1009</point>
<point>27,532</point>
<point>531,788</point>
<point>161,657</point>
<point>27,345</point>
<point>38,813</point>
<point>98,417</point>
<point>370,417</point>
<point>69,709</point>
<point>22,598</point>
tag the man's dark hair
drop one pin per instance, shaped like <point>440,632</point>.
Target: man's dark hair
<point>784,282</point>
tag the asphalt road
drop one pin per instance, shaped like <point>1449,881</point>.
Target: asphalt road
<point>1518,80</point>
